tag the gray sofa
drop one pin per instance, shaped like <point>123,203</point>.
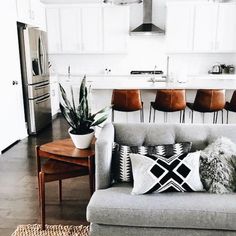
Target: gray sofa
<point>113,211</point>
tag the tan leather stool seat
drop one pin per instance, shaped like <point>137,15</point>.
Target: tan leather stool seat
<point>127,100</point>
<point>169,100</point>
<point>208,100</point>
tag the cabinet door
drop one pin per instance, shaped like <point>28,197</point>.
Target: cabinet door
<point>54,92</point>
<point>116,28</point>
<point>226,31</point>
<point>91,28</point>
<point>70,29</point>
<point>179,27</point>
<point>53,29</point>
<point>23,11</point>
<point>205,27</point>
<point>38,15</point>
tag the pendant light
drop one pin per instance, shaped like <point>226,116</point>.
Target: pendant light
<point>122,2</point>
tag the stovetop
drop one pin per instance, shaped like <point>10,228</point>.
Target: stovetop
<point>146,72</point>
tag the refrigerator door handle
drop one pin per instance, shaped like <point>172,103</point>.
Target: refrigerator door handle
<point>38,101</point>
<point>41,86</point>
<point>39,55</point>
<point>44,56</point>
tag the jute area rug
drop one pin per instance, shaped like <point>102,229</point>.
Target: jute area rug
<point>51,230</point>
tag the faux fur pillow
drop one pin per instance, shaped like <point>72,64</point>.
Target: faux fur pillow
<point>218,166</point>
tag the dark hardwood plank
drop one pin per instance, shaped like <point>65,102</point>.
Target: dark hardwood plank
<point>18,191</point>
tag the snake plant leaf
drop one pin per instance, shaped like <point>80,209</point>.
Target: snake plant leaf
<point>80,118</point>
<point>100,120</point>
<point>104,110</point>
<point>66,116</point>
<point>82,89</point>
<point>72,96</point>
<point>64,97</point>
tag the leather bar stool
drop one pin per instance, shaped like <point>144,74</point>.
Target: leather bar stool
<point>208,100</point>
<point>127,100</point>
<point>231,106</point>
<point>169,100</point>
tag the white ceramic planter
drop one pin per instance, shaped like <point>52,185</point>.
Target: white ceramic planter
<point>81,141</point>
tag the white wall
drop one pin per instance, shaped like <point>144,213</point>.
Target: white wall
<point>144,52</point>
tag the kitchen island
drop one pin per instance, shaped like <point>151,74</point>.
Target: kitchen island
<point>101,91</point>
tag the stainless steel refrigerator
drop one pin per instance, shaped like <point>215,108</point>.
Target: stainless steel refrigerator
<point>35,77</point>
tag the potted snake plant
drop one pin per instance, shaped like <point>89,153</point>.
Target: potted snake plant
<point>80,119</point>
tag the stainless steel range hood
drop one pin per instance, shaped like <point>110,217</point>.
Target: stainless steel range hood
<point>147,28</point>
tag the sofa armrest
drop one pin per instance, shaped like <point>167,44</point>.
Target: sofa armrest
<point>103,157</point>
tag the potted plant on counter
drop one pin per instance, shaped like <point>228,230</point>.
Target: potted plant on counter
<point>80,119</point>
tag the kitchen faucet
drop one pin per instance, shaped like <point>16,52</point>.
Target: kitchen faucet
<point>153,78</point>
<point>167,77</point>
<point>68,71</point>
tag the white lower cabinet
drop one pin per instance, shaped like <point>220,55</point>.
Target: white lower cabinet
<point>54,92</point>
<point>87,29</point>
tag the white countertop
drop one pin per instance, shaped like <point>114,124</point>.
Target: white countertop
<point>197,82</point>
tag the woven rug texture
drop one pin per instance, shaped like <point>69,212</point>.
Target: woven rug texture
<point>51,230</point>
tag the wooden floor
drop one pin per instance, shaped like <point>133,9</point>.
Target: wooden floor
<point>18,187</point>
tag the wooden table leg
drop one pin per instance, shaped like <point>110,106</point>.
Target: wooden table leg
<point>91,166</point>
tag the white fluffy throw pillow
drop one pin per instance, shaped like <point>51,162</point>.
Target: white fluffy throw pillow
<point>217,166</point>
<point>157,173</point>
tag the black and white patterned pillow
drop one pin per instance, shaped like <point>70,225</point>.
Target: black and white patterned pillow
<point>156,173</point>
<point>122,169</point>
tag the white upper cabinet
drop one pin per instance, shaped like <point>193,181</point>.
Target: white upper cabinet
<point>205,27</point>
<point>226,30</point>
<point>53,30</point>
<point>87,28</point>
<point>31,12</point>
<point>70,36</point>
<point>211,27</point>
<point>24,14</point>
<point>116,28</point>
<point>91,25</point>
<point>179,25</point>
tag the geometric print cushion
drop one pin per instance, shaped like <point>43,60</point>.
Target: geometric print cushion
<point>154,173</point>
<point>122,169</point>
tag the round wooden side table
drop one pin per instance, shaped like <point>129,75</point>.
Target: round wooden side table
<point>64,161</point>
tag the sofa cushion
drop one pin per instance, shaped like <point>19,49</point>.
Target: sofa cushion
<point>155,173</point>
<point>116,206</point>
<point>217,166</point>
<point>121,156</point>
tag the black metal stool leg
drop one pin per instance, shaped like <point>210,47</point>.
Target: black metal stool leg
<point>216,120</point>
<point>192,117</point>
<point>150,113</point>
<point>222,116</point>
<point>227,118</point>
<point>180,117</point>
<point>183,119</point>
<point>165,117</point>
<point>154,116</point>
<point>112,115</point>
<point>214,117</point>
<point>143,114</point>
